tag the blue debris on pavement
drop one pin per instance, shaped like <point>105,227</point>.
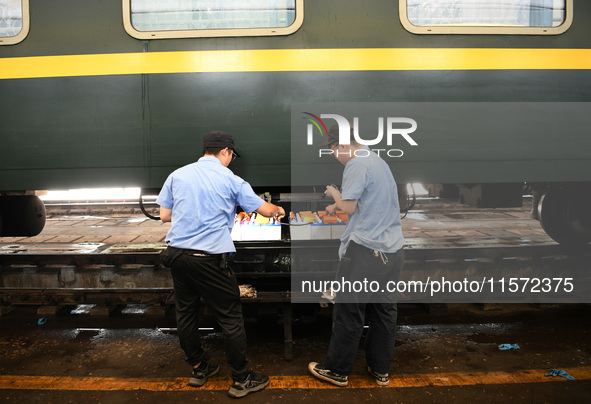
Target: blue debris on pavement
<point>505,347</point>
<point>559,372</point>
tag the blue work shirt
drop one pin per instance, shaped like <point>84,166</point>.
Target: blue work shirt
<point>203,197</point>
<point>376,221</point>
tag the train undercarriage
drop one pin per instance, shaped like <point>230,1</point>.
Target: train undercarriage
<point>561,208</point>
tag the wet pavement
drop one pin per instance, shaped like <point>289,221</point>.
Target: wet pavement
<point>444,357</point>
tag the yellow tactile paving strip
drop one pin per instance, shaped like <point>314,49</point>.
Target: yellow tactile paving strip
<point>15,382</point>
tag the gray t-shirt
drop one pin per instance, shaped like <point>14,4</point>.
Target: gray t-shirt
<point>376,222</point>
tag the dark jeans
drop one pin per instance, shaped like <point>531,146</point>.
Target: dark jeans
<point>201,277</point>
<point>349,318</point>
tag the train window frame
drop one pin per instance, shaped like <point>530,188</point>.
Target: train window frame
<point>24,32</point>
<point>485,30</point>
<point>212,33</point>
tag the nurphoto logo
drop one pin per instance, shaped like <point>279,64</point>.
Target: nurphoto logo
<point>390,126</point>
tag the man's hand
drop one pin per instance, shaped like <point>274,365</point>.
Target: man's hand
<point>280,214</point>
<point>348,206</point>
<point>331,209</point>
<point>333,192</point>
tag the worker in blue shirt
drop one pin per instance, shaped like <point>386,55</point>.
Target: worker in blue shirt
<point>371,253</point>
<point>200,201</point>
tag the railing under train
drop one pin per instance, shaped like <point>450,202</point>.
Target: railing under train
<point>136,276</point>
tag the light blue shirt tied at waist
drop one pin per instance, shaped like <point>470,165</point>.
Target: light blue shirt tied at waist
<point>375,224</point>
<point>203,197</point>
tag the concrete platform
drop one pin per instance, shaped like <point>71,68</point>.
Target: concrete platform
<point>432,224</point>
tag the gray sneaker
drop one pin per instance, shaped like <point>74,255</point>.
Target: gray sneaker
<point>253,382</point>
<point>202,373</point>
<point>327,375</point>
<point>382,379</point>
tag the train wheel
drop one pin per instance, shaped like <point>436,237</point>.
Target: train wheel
<point>566,217</point>
<point>21,215</point>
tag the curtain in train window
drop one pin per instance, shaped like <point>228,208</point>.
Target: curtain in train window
<point>11,18</point>
<point>175,15</point>
<point>523,13</point>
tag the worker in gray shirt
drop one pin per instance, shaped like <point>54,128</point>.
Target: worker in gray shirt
<point>371,251</point>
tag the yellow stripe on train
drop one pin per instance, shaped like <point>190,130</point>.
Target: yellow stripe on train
<point>296,60</point>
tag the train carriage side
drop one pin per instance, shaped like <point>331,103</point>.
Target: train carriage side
<point>86,103</point>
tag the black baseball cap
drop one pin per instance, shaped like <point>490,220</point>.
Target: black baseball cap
<point>333,136</point>
<point>220,139</point>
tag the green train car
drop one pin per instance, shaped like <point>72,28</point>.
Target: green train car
<point>120,93</point>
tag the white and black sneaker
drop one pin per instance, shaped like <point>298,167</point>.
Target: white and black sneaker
<point>202,373</point>
<point>327,375</point>
<point>382,379</point>
<point>253,382</point>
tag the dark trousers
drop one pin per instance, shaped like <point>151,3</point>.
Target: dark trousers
<point>201,277</point>
<point>349,316</point>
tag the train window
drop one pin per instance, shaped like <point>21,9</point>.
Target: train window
<point>514,17</point>
<point>154,19</point>
<point>14,21</point>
